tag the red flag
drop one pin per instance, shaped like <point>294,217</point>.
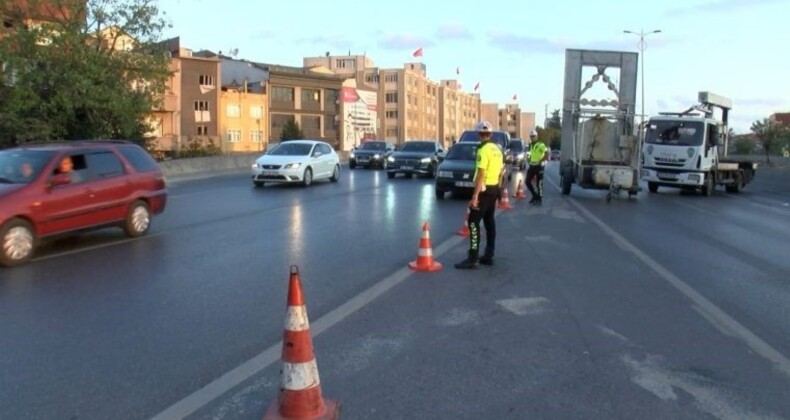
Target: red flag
<point>477,86</point>
<point>417,53</point>
<point>457,70</point>
<point>514,97</point>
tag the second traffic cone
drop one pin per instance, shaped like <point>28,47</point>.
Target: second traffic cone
<point>504,201</point>
<point>464,231</point>
<point>425,260</point>
<point>520,191</point>
<point>300,389</point>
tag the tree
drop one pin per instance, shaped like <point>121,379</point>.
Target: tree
<point>291,131</point>
<point>773,135</point>
<point>71,78</point>
<point>555,121</point>
<point>550,137</point>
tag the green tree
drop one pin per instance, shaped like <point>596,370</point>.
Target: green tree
<point>550,137</point>
<point>291,131</point>
<point>70,79</point>
<point>555,121</point>
<point>773,135</point>
<point>744,147</point>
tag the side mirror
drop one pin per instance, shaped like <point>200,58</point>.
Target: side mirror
<point>60,179</point>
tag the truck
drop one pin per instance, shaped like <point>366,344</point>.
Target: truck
<point>689,149</point>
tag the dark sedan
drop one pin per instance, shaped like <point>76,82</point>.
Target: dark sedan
<point>372,154</point>
<point>457,171</point>
<point>420,157</point>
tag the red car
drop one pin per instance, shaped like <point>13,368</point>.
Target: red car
<point>61,188</point>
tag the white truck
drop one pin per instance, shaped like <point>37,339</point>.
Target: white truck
<point>688,150</point>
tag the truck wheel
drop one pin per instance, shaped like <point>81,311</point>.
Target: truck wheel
<point>736,186</point>
<point>707,189</point>
<point>652,187</point>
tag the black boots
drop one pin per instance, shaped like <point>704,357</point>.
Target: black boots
<point>471,262</point>
<point>488,257</point>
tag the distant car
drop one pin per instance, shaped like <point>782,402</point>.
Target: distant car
<point>417,157</point>
<point>456,173</point>
<point>502,138</point>
<point>554,155</point>
<point>372,154</point>
<point>51,190</point>
<point>297,161</point>
<point>517,154</point>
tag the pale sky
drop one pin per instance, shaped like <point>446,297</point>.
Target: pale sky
<point>736,48</point>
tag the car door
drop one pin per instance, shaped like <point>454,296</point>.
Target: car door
<point>109,191</point>
<point>329,158</point>
<point>65,207</point>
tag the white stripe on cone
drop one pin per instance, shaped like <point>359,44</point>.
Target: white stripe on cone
<point>424,252</point>
<point>300,376</point>
<point>426,235</point>
<point>296,319</point>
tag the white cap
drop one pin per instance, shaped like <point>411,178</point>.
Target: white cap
<point>483,127</point>
<point>533,132</point>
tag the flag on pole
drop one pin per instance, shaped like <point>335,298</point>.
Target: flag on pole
<point>457,70</point>
<point>417,53</point>
<point>515,97</point>
<point>477,86</point>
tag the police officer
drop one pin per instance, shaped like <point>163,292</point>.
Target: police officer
<point>538,156</point>
<point>488,181</point>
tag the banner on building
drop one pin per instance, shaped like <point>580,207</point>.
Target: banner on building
<point>360,116</point>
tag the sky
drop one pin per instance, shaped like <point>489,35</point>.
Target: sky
<point>739,49</point>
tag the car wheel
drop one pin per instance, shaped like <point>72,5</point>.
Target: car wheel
<point>18,242</point>
<point>439,194</point>
<point>352,165</point>
<point>138,219</point>
<point>390,175</point>
<point>307,178</point>
<point>258,184</point>
<point>335,174</point>
<point>652,187</point>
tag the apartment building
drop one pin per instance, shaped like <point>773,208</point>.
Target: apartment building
<point>347,65</point>
<point>458,111</point>
<point>527,124</point>
<point>490,113</point>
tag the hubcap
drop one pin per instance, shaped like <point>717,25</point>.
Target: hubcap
<point>308,177</point>
<point>18,243</point>
<point>140,219</point>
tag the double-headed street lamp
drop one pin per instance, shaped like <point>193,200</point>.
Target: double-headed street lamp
<point>642,46</point>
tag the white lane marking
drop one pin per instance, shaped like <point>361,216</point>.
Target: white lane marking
<point>712,313</point>
<point>525,306</point>
<point>95,247</point>
<point>246,370</point>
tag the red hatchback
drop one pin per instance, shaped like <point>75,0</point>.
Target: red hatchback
<point>60,188</point>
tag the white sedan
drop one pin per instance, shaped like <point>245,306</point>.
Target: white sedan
<point>297,161</point>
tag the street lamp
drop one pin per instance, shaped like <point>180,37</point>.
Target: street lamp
<point>642,46</point>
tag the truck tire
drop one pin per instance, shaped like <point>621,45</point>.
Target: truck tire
<point>566,183</point>
<point>707,188</point>
<point>737,185</point>
<point>652,187</point>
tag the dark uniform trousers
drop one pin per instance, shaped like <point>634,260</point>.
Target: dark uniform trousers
<point>485,211</point>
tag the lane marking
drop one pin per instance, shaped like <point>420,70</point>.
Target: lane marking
<point>717,317</point>
<point>271,355</point>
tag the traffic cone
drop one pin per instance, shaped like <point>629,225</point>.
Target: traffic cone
<point>300,390</point>
<point>425,260</point>
<point>464,231</point>
<point>504,201</point>
<point>520,191</point>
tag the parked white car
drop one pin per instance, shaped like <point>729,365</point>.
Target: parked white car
<point>297,161</point>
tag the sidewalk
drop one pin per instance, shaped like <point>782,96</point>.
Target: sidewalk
<point>565,325</point>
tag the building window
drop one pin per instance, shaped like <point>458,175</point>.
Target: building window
<point>392,114</point>
<point>392,132</point>
<point>280,93</point>
<point>311,96</point>
<point>202,130</point>
<point>311,122</point>
<point>279,120</point>
<point>256,136</point>
<point>391,78</point>
<point>234,136</point>
<point>372,78</point>
<point>201,105</point>
<point>256,112</point>
<point>234,111</point>
<point>205,80</point>
<point>391,97</point>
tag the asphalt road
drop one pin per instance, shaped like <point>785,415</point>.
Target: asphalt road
<point>668,306</point>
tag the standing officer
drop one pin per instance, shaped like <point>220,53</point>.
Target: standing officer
<point>488,178</point>
<point>538,156</point>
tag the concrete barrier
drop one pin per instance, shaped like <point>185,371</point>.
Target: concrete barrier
<point>203,167</point>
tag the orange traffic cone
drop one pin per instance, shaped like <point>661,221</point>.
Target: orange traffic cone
<point>464,231</point>
<point>504,201</point>
<point>300,390</point>
<point>520,191</point>
<point>425,260</point>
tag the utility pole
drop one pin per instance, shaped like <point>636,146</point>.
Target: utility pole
<point>545,116</point>
<point>642,46</point>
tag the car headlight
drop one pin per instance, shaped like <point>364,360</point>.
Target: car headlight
<point>520,155</point>
<point>292,166</point>
<point>255,165</point>
<point>352,155</point>
<point>445,174</point>
<point>376,156</point>
<point>425,160</point>
<point>390,159</point>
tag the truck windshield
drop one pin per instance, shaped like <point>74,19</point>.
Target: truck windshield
<point>675,133</point>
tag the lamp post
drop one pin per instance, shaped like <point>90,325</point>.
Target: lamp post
<point>642,46</point>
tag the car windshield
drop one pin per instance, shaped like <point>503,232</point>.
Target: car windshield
<point>463,151</point>
<point>498,137</point>
<point>373,145</point>
<point>418,146</point>
<point>516,146</point>
<point>292,149</point>
<point>675,133</point>
<point>22,166</point>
